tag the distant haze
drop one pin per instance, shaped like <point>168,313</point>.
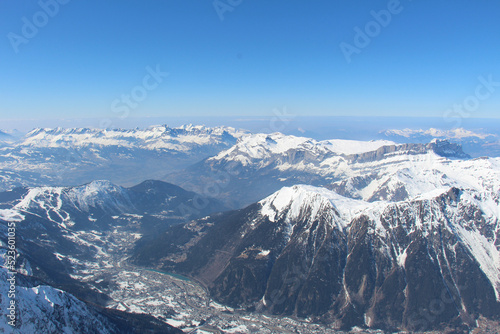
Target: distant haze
<point>317,127</point>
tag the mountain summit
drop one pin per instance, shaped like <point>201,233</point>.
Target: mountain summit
<point>427,263</point>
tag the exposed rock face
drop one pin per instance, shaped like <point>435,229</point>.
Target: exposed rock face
<point>421,264</point>
<point>262,164</point>
<point>442,148</point>
<point>477,144</point>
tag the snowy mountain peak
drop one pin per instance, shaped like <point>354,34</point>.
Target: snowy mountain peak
<point>183,139</point>
<point>100,185</point>
<point>444,208</point>
<point>296,200</point>
<point>48,201</point>
<point>261,146</point>
<point>343,254</point>
<point>100,193</point>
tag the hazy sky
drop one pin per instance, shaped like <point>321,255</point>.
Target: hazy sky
<point>95,58</point>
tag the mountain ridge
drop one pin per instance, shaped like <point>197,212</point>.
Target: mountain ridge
<point>62,157</point>
<point>267,164</point>
<point>276,255</point>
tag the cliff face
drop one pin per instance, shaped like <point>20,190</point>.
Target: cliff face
<point>264,164</point>
<point>424,264</point>
<point>442,148</point>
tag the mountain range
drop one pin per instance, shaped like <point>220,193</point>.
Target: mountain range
<point>428,263</point>
<point>344,233</point>
<point>62,157</point>
<point>63,234</point>
<point>477,143</point>
<point>376,170</point>
<point>75,156</point>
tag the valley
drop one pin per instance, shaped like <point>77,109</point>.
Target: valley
<point>180,302</point>
<point>250,167</point>
<point>275,234</point>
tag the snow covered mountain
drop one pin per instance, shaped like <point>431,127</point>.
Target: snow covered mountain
<point>261,164</point>
<point>263,148</point>
<point>81,206</point>
<point>401,176</point>
<point>41,308</point>
<point>66,236</point>
<point>478,142</point>
<point>6,138</point>
<point>428,263</point>
<point>44,309</point>
<point>181,139</point>
<point>75,156</point>
<point>378,234</point>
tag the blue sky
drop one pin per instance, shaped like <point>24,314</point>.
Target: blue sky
<point>262,55</point>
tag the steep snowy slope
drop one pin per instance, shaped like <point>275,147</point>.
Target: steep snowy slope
<point>312,253</point>
<point>43,309</point>
<point>375,170</point>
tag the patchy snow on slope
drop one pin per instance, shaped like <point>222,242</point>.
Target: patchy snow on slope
<point>10,215</point>
<point>44,309</point>
<point>44,197</point>
<point>99,193</point>
<point>48,201</point>
<point>155,137</point>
